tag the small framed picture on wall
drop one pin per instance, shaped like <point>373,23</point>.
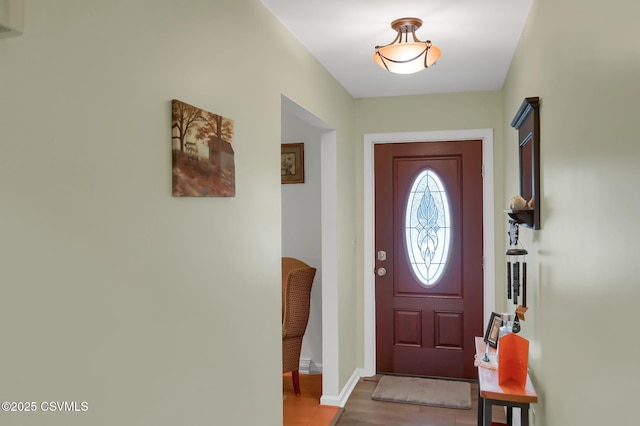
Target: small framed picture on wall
<point>292,163</point>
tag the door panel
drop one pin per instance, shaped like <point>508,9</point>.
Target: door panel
<point>407,328</point>
<point>449,330</point>
<point>429,329</point>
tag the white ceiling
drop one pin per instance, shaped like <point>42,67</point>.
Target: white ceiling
<point>477,38</point>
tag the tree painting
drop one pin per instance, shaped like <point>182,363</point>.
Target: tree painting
<point>203,158</point>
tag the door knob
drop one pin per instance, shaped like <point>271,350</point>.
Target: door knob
<point>381,272</point>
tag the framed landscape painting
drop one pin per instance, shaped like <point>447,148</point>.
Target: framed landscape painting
<point>202,155</point>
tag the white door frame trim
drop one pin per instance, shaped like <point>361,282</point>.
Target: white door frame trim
<point>486,135</point>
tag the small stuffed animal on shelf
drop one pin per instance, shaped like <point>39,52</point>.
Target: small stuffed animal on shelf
<point>517,203</point>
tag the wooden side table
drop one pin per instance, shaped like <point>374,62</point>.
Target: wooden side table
<point>491,393</point>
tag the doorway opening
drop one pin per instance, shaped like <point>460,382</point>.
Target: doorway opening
<point>324,330</point>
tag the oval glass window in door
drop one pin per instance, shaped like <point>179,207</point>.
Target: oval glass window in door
<point>428,228</point>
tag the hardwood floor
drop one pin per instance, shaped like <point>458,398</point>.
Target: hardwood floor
<point>305,410</point>
<point>360,409</point>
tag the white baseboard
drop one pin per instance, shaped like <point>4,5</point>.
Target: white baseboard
<point>304,366</point>
<point>341,400</point>
<point>307,366</point>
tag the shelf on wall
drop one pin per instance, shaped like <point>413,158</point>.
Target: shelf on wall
<point>525,217</point>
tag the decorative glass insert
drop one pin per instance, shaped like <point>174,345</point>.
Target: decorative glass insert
<point>428,228</point>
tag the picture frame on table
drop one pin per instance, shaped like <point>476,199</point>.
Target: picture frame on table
<point>493,330</point>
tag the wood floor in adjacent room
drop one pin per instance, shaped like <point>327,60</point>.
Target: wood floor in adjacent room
<point>305,409</point>
<point>360,409</point>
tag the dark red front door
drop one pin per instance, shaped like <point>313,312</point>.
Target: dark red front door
<point>428,210</point>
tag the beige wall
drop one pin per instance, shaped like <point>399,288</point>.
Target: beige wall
<point>582,59</point>
<point>153,309</point>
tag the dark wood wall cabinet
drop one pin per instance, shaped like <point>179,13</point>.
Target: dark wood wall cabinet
<point>527,122</point>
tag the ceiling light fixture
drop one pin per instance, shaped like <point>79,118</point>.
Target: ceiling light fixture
<point>406,57</point>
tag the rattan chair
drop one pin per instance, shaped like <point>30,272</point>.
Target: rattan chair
<point>297,278</point>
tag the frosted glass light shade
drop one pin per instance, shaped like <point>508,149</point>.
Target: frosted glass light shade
<point>407,58</point>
